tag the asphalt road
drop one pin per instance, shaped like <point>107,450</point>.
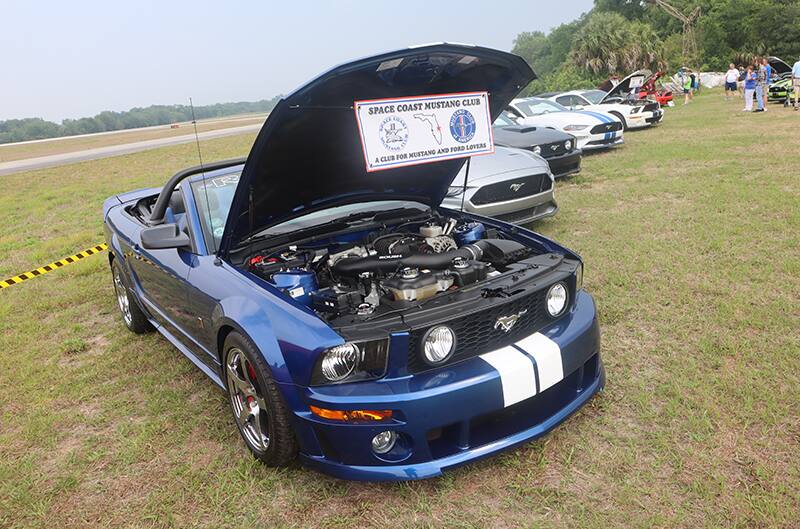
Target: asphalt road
<point>115,150</point>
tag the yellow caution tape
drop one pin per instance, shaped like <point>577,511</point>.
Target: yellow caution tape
<point>52,266</point>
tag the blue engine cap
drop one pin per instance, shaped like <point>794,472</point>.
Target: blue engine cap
<point>468,233</point>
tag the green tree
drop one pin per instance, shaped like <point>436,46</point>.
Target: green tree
<point>609,43</point>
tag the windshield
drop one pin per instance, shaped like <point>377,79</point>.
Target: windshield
<point>505,119</point>
<point>323,216</point>
<point>594,96</point>
<point>537,107</point>
<point>213,197</point>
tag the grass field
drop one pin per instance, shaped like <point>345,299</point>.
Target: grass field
<point>690,236</point>
<point>10,152</point>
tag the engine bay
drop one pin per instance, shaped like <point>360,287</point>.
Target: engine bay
<point>365,274</point>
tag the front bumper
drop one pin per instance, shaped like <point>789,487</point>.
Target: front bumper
<point>566,164</point>
<point>454,414</point>
<point>778,95</point>
<point>594,142</point>
<point>518,211</point>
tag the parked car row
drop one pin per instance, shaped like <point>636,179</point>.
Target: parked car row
<point>554,130</point>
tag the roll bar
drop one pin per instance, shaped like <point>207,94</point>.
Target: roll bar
<point>160,208</point>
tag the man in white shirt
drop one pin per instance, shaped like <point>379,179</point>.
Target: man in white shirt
<point>731,76</point>
<point>796,82</point>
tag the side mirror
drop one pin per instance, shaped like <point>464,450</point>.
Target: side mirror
<point>164,236</point>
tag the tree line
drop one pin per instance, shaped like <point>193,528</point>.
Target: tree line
<point>14,130</point>
<point>620,36</point>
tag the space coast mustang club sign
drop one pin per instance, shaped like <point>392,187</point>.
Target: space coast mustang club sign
<point>413,130</point>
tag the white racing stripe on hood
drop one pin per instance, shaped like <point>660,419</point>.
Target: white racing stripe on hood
<point>516,374</point>
<point>517,371</point>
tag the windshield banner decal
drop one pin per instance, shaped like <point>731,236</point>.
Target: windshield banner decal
<point>414,130</point>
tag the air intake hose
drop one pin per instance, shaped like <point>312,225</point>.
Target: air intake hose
<point>352,266</point>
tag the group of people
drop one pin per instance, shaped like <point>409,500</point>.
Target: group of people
<point>753,83</point>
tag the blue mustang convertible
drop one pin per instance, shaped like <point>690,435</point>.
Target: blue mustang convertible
<point>350,318</point>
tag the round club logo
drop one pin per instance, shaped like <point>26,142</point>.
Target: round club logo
<point>462,126</point>
<point>394,133</point>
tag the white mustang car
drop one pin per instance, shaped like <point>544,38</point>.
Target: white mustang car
<point>633,112</point>
<point>592,130</point>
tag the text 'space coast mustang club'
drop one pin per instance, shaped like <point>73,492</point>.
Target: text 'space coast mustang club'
<point>412,130</point>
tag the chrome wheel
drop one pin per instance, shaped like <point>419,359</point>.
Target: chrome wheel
<point>249,406</point>
<point>122,298</point>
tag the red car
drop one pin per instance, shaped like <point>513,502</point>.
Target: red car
<point>649,90</point>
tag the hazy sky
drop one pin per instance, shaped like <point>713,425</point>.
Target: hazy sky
<point>67,59</point>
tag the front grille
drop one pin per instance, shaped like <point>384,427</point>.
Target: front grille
<point>651,107</point>
<point>606,127</point>
<point>525,215</point>
<point>475,333</point>
<point>552,149</point>
<point>512,189</point>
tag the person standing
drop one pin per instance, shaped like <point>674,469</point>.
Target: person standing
<point>749,89</point>
<point>731,76</point>
<point>687,87</point>
<point>761,85</point>
<point>796,82</point>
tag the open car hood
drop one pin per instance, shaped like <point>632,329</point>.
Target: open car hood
<point>624,86</point>
<point>308,155</point>
<point>779,66</point>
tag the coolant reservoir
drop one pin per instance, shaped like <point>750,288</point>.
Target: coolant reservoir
<point>430,230</point>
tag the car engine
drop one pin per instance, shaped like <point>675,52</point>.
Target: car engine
<point>388,269</point>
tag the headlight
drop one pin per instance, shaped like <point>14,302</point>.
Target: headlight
<point>351,362</point>
<point>575,127</point>
<point>556,299</point>
<point>537,150</point>
<point>438,344</point>
<point>568,145</point>
<point>339,361</point>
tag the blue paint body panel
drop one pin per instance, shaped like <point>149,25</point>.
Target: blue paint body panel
<point>444,416</point>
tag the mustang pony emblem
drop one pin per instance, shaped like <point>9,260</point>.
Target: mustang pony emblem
<point>507,322</point>
<point>608,127</point>
<point>516,187</point>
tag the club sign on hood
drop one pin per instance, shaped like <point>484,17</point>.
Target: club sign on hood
<point>407,131</point>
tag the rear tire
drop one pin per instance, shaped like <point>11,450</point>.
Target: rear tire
<point>132,316</point>
<point>262,417</point>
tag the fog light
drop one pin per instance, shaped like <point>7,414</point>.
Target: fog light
<point>568,145</point>
<point>556,299</point>
<point>384,442</point>
<point>438,344</point>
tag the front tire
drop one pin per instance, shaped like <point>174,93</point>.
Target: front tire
<point>132,316</point>
<point>622,119</point>
<point>262,417</point>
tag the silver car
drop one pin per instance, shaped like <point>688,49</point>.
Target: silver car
<point>511,185</point>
